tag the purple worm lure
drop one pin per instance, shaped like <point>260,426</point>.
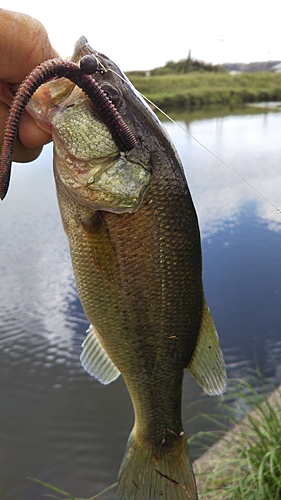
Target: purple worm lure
<point>39,75</point>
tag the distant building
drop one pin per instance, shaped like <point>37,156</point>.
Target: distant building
<point>277,68</point>
<point>270,66</point>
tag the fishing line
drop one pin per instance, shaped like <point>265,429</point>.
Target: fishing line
<point>204,147</point>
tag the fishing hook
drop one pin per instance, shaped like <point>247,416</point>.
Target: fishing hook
<point>70,70</point>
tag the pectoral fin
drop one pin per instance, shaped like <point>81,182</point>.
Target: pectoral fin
<point>100,245</point>
<point>207,365</point>
<point>96,361</point>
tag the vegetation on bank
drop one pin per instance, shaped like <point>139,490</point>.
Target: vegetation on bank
<point>187,65</point>
<point>246,463</point>
<point>182,66</point>
<point>193,90</point>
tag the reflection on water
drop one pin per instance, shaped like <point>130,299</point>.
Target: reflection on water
<point>56,422</point>
<point>250,146</point>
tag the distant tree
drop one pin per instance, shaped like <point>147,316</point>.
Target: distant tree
<point>186,66</point>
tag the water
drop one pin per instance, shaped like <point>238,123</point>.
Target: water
<point>59,425</point>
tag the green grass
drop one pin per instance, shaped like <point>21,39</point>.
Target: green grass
<point>249,463</point>
<point>64,495</point>
<point>198,89</point>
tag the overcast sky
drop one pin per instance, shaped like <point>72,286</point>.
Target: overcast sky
<point>148,33</point>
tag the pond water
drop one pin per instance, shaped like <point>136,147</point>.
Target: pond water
<point>58,424</point>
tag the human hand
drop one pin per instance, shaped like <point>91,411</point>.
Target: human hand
<point>24,44</point>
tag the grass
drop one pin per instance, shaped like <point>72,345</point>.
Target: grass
<point>197,89</point>
<point>246,463</point>
<point>64,495</point>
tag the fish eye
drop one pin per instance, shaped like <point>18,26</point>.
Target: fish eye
<point>111,93</point>
<point>88,64</point>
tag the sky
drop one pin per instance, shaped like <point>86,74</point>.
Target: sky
<point>146,34</point>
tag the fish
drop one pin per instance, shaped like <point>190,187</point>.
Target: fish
<point>135,247</point>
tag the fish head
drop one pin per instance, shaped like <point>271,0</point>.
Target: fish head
<point>88,161</point>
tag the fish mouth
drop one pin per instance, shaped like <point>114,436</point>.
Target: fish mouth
<point>89,162</point>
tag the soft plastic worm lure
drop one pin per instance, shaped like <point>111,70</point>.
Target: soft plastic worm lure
<point>39,75</point>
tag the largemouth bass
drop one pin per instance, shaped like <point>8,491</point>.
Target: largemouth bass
<point>135,247</point>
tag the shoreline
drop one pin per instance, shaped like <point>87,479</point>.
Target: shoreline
<point>198,89</point>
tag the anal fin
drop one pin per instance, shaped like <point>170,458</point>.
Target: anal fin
<point>96,361</point>
<point>206,364</point>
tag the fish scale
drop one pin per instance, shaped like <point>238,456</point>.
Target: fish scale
<point>135,248</point>
<point>147,316</point>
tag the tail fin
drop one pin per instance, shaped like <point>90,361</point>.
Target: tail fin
<point>147,473</point>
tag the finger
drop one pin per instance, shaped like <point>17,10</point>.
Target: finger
<point>30,135</point>
<point>24,43</point>
<point>23,155</point>
<point>21,152</point>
